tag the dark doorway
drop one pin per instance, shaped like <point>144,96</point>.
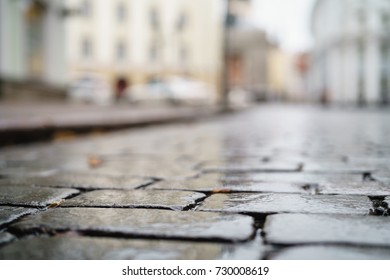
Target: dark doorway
<point>120,88</point>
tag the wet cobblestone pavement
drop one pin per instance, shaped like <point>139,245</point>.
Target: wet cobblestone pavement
<point>272,182</point>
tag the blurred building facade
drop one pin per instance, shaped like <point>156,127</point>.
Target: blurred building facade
<point>32,45</point>
<point>288,75</point>
<point>350,62</point>
<point>133,42</point>
<point>247,52</point>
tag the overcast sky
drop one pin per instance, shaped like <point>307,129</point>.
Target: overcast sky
<point>286,20</point>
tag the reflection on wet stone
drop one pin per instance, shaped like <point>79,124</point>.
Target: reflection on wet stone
<point>141,222</point>
<point>363,188</point>
<point>290,203</point>
<point>248,166</point>
<point>153,168</point>
<point>6,237</point>
<point>336,167</point>
<point>295,177</point>
<point>206,185</point>
<point>342,229</point>
<point>79,248</point>
<point>382,176</point>
<point>175,200</point>
<point>332,253</point>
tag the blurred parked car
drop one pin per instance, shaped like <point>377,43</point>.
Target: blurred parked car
<point>154,91</point>
<point>90,89</point>
<point>190,91</point>
<point>174,90</point>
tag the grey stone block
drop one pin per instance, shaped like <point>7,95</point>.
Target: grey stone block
<point>335,229</point>
<point>286,203</point>
<point>142,222</point>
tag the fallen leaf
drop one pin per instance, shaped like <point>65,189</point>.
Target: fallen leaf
<point>64,135</point>
<point>55,204</point>
<point>221,191</point>
<point>94,161</point>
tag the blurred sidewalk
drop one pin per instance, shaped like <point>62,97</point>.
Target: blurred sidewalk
<point>28,122</point>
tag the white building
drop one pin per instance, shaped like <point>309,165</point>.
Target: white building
<point>350,62</point>
<point>137,40</point>
<point>32,41</point>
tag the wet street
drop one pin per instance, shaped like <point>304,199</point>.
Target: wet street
<point>270,182</point>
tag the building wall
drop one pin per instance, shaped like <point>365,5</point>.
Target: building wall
<point>277,72</point>
<point>154,44</point>
<point>347,60</point>
<point>15,60</point>
<point>12,32</point>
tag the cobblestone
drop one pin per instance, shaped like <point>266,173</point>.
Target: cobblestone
<point>297,177</point>
<point>6,237</point>
<point>314,182</point>
<point>337,167</point>
<point>80,248</point>
<point>33,196</point>
<point>80,181</point>
<point>332,253</point>
<point>245,166</point>
<point>382,176</point>
<point>362,188</point>
<point>44,165</point>
<point>340,229</point>
<point>213,184</point>
<point>156,168</point>
<point>141,222</point>
<point>287,203</point>
<point>9,214</point>
<point>174,200</point>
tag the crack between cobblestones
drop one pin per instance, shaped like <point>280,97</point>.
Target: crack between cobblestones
<point>28,206</point>
<point>367,177</point>
<point>88,189</point>
<point>273,250</point>
<point>144,186</point>
<point>20,234</point>
<point>310,188</point>
<point>379,206</point>
<point>173,208</point>
<point>5,226</point>
<point>198,202</point>
<point>249,171</point>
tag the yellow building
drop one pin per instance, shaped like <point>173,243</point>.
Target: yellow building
<point>137,41</point>
<point>287,75</point>
<point>277,72</point>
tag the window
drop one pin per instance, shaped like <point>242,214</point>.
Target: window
<point>183,55</point>
<point>385,73</point>
<point>361,73</point>
<point>153,52</point>
<point>386,21</point>
<point>154,18</point>
<point>362,19</point>
<point>121,12</point>
<point>121,51</point>
<point>182,21</point>
<point>86,48</point>
<point>86,8</point>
